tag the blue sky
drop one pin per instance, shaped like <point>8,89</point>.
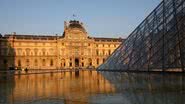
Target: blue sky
<point>102,18</point>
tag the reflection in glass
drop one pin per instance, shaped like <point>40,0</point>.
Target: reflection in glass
<point>145,88</point>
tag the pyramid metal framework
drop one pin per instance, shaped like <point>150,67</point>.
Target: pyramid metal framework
<point>157,44</point>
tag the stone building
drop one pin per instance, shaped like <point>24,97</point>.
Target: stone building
<point>74,48</point>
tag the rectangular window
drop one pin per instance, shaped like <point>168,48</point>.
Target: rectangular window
<point>51,63</point>
<point>97,61</point>
<point>109,52</point>
<point>62,44</point>
<point>43,62</point>
<point>97,52</point>
<point>44,53</point>
<point>70,64</point>
<point>19,63</point>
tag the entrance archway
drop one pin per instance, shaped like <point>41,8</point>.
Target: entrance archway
<point>76,62</point>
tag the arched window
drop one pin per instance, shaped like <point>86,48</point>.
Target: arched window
<point>19,51</point>
<point>63,63</point>
<point>27,51</point>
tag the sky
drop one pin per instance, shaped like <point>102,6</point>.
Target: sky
<point>101,18</point>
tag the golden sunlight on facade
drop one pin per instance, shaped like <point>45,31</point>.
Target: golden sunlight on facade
<point>73,49</point>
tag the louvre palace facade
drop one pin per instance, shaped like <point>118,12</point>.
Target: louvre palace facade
<point>73,49</point>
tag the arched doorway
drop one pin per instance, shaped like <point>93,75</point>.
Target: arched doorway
<point>76,62</point>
